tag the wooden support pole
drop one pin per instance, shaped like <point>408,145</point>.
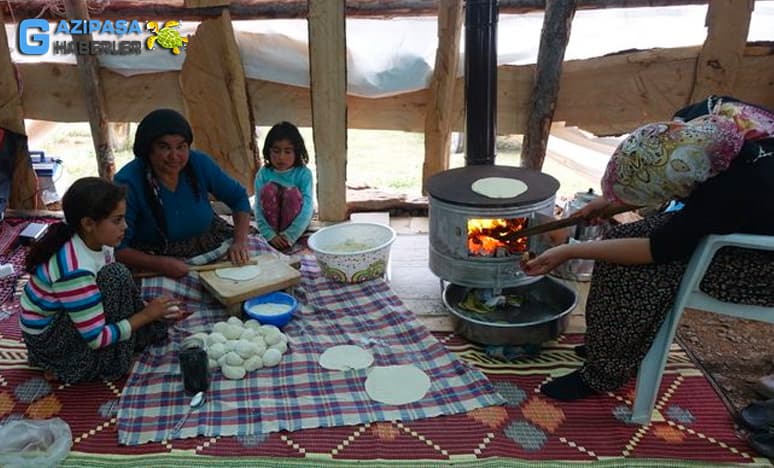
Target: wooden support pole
<point>553,42</point>
<point>728,22</point>
<point>438,116</point>
<point>217,104</point>
<point>328,82</point>
<point>91,83</point>
<point>24,192</point>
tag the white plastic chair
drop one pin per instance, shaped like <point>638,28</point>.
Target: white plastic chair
<point>689,296</point>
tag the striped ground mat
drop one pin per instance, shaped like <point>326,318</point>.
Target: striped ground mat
<point>299,393</point>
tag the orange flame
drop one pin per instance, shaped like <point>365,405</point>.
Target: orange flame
<point>495,237</point>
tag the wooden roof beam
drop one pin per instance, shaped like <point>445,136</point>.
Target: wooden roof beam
<point>728,23</point>
<point>265,9</point>
<point>328,83</point>
<point>91,84</point>
<point>554,37</point>
<point>440,107</point>
<point>24,184</point>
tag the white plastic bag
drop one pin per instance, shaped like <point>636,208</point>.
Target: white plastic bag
<point>38,443</point>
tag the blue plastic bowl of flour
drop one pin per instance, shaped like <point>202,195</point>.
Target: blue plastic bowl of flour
<point>278,319</point>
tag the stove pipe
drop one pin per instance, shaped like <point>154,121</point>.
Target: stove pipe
<point>480,81</point>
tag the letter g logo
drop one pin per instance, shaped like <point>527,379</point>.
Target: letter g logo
<point>33,43</point>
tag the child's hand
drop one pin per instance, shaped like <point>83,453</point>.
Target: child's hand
<point>161,307</point>
<point>280,243</point>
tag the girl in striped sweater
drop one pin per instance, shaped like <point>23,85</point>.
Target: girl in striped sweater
<point>82,317</point>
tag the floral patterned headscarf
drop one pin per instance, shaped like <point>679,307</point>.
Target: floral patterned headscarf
<point>666,160</point>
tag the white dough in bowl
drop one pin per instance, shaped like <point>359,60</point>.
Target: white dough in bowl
<point>242,273</point>
<point>346,357</point>
<point>397,385</point>
<point>499,187</point>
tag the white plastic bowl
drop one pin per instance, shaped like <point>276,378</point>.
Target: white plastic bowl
<point>353,252</point>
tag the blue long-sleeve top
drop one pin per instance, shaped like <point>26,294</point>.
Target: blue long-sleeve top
<point>299,177</point>
<point>187,214</point>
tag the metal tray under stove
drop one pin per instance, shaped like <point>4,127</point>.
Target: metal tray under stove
<point>541,317</point>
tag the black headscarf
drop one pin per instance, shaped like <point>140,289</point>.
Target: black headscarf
<point>154,125</point>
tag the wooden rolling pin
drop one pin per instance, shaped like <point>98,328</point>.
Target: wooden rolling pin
<point>567,222</point>
<point>293,260</point>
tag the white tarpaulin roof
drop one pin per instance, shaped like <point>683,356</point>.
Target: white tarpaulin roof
<point>393,56</point>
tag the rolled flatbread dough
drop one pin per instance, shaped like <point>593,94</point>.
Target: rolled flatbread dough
<point>499,187</point>
<point>397,385</point>
<point>241,273</point>
<point>346,357</point>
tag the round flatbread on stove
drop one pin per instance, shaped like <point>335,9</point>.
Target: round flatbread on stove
<point>397,385</point>
<point>346,357</point>
<point>499,187</point>
<point>241,273</point>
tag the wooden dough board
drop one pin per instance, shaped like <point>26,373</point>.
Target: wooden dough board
<point>275,274</point>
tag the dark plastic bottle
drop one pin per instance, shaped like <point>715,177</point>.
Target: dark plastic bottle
<point>193,365</point>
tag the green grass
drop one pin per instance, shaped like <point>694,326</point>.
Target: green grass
<point>388,160</point>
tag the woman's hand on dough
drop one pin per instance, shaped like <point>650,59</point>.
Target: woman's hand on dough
<point>239,253</point>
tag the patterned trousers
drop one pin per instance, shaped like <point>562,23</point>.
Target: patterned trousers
<point>628,303</point>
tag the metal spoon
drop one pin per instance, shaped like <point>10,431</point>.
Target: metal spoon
<point>196,401</point>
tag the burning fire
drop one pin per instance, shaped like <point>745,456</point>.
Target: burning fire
<point>496,237</point>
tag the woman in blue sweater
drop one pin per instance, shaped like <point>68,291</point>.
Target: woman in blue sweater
<point>168,211</point>
<point>284,187</point>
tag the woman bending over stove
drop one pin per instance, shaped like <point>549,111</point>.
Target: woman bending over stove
<point>717,157</point>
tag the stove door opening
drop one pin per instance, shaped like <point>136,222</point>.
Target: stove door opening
<point>496,238</point>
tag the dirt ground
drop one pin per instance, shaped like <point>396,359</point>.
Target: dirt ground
<point>734,352</point>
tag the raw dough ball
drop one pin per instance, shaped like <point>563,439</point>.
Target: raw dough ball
<point>271,357</point>
<point>233,320</point>
<point>499,187</point>
<point>233,372</point>
<point>397,385</point>
<point>346,357</point>
<point>241,273</point>
<point>219,327</point>
<point>201,336</point>
<point>222,360</point>
<point>282,347</point>
<point>248,334</point>
<point>260,348</point>
<point>212,364</point>
<point>245,348</point>
<point>233,359</point>
<point>233,332</point>
<point>253,363</point>
<point>215,337</point>
<point>273,338</point>
<point>252,324</point>
<point>216,350</point>
<point>229,345</point>
<point>258,339</point>
<point>266,329</point>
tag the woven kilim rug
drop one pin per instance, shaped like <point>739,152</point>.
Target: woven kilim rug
<point>691,426</point>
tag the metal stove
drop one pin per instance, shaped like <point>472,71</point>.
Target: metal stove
<point>475,248</point>
<point>473,238</point>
